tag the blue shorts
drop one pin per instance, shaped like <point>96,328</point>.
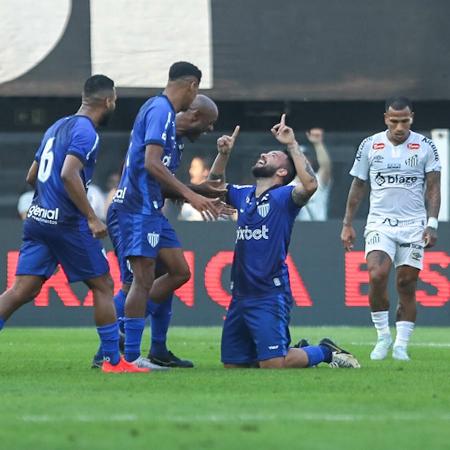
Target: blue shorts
<point>138,235</point>
<point>256,329</point>
<point>81,256</point>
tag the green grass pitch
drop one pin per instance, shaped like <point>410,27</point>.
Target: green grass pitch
<point>51,399</point>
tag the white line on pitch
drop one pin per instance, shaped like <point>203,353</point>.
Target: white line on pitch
<point>239,418</point>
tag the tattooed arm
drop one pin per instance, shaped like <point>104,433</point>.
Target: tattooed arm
<point>308,182</point>
<point>433,202</point>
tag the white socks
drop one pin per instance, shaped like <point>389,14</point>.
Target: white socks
<point>404,331</point>
<point>381,321</point>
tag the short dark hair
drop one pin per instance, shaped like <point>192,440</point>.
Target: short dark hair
<point>96,84</point>
<point>398,103</point>
<point>290,167</point>
<point>183,69</point>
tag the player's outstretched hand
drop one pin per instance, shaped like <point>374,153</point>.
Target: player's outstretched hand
<point>226,143</point>
<point>348,236</point>
<point>209,208</point>
<point>210,188</point>
<point>429,237</point>
<point>282,133</point>
<point>98,228</point>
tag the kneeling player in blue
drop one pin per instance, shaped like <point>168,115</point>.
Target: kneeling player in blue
<point>61,227</point>
<point>191,124</point>
<point>256,327</point>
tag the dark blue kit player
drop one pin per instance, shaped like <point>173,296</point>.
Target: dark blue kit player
<point>256,327</point>
<point>61,227</point>
<point>146,233</point>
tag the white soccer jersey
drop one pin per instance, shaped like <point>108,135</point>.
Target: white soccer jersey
<point>397,175</point>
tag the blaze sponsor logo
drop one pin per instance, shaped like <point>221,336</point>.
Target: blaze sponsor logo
<point>378,146</point>
<point>394,179</point>
<point>413,146</point>
<point>43,215</point>
<point>246,234</point>
<point>119,196</point>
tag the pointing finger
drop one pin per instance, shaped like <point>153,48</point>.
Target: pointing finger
<point>235,132</point>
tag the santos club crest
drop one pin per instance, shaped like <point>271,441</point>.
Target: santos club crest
<point>153,239</point>
<point>263,209</point>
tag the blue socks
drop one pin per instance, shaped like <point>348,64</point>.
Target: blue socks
<point>109,342</point>
<point>119,302</point>
<point>2,323</point>
<point>134,327</point>
<point>160,321</point>
<point>317,354</point>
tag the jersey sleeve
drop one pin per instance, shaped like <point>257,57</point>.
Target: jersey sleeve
<point>83,142</point>
<point>157,121</point>
<point>284,195</point>
<point>233,194</point>
<point>38,154</point>
<point>432,161</point>
<point>360,167</point>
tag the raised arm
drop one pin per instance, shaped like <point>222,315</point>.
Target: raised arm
<point>225,145</point>
<point>308,182</point>
<point>355,196</point>
<point>315,136</point>
<point>433,203</point>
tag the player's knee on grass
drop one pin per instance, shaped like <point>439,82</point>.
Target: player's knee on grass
<point>274,363</point>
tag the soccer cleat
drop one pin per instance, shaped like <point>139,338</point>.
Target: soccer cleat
<point>302,343</point>
<point>400,353</point>
<point>170,360</point>
<point>96,362</point>
<point>123,367</point>
<point>340,358</point>
<point>381,348</point>
<point>145,363</point>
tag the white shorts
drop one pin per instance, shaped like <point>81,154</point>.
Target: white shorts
<point>403,244</point>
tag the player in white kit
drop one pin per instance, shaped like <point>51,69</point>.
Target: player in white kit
<point>403,171</point>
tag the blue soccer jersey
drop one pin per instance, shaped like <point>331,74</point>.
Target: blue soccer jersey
<point>73,135</point>
<point>262,240</point>
<point>138,191</point>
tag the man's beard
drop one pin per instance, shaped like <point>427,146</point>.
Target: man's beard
<point>263,171</point>
<point>106,118</point>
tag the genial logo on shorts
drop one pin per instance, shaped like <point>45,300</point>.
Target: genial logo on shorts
<point>153,239</point>
<point>412,161</point>
<point>263,209</point>
<point>43,214</point>
<point>394,179</point>
<point>413,146</point>
<point>119,196</point>
<point>378,146</point>
<point>246,234</point>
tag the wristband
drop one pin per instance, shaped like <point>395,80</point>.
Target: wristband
<point>432,223</point>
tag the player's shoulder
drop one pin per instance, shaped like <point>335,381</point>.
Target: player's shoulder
<point>83,125</point>
<point>158,102</point>
<point>421,139</point>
